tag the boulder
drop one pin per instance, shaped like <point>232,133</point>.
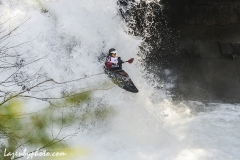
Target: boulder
<point>207,49</point>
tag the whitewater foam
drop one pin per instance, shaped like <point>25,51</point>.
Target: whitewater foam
<point>73,34</point>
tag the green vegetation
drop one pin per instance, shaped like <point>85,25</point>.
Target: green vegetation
<point>46,129</point>
<point>78,98</point>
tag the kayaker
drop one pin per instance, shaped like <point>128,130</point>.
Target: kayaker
<point>114,59</point>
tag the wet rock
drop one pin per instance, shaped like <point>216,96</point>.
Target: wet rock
<point>226,48</point>
<point>213,13</point>
<point>210,16</point>
<point>207,49</point>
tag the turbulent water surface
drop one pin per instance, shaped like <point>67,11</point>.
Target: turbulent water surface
<point>145,126</point>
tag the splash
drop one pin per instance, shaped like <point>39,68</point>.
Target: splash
<point>148,125</point>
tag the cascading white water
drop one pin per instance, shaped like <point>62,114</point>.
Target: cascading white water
<point>146,125</point>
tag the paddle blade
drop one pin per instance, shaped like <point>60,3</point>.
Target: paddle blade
<point>108,64</point>
<point>130,60</point>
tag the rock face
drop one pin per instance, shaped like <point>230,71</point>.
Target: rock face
<point>177,31</point>
<point>211,25</point>
<point>185,25</point>
<point>213,13</point>
<point>207,49</point>
<point>209,30</point>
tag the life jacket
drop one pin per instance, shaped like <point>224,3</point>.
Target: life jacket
<point>108,64</point>
<point>114,61</point>
<point>110,60</point>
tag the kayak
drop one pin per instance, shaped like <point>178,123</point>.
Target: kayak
<point>122,79</point>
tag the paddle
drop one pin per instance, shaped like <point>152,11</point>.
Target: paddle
<point>109,64</point>
<point>130,60</point>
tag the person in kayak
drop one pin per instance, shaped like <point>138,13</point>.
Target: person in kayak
<point>114,60</point>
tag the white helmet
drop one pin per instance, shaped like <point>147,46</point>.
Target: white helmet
<point>112,50</point>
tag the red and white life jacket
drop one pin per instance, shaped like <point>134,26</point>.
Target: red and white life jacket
<point>113,61</point>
